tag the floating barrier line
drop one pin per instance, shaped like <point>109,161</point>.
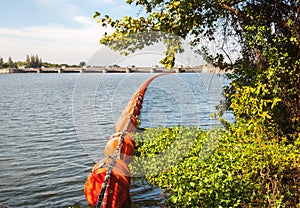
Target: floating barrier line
<point>126,124</point>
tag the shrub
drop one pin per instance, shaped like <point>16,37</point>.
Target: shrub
<point>219,169</point>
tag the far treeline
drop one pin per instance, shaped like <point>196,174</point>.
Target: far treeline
<point>255,161</point>
<point>33,61</point>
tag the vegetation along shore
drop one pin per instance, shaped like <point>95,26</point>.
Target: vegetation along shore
<point>254,162</point>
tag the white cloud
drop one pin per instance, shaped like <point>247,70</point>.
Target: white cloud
<point>108,1</point>
<point>85,21</point>
<point>53,43</point>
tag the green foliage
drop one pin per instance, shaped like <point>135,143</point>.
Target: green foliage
<point>255,163</point>
<point>33,61</point>
<point>82,63</point>
<point>163,147</point>
<point>254,105</point>
<point>220,170</point>
<point>1,63</point>
<point>267,33</point>
<point>10,63</point>
<point>269,72</point>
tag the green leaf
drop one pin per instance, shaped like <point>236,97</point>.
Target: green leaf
<point>97,14</point>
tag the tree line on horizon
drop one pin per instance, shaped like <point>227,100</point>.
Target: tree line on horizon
<point>33,61</point>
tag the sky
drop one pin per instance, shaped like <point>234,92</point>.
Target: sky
<point>58,31</point>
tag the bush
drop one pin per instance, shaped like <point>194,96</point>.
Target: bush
<point>218,169</point>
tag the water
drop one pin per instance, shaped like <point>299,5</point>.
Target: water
<point>53,128</point>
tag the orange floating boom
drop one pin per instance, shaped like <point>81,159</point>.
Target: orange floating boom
<point>108,184</point>
<point>127,120</point>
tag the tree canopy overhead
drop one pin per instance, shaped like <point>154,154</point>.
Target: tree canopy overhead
<point>199,19</point>
<point>266,79</point>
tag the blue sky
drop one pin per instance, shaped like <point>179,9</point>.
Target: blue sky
<point>64,31</point>
<point>58,31</point>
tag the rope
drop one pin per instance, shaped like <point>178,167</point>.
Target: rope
<point>105,184</point>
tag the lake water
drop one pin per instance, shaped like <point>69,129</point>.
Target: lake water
<point>54,128</point>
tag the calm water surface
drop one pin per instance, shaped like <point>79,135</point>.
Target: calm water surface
<point>54,128</point>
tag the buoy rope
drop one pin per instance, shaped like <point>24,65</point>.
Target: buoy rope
<point>105,184</point>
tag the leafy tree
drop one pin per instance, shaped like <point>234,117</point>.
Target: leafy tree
<point>20,64</point>
<point>40,62</point>
<point>10,63</point>
<point>1,62</point>
<point>266,78</point>
<point>33,61</point>
<point>82,63</point>
<point>28,62</point>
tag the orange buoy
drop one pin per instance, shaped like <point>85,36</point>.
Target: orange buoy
<point>126,148</point>
<point>117,193</point>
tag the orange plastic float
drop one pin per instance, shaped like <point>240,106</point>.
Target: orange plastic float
<point>108,184</point>
<point>117,193</point>
<point>126,148</point>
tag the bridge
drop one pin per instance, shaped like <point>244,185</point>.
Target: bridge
<point>129,69</point>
